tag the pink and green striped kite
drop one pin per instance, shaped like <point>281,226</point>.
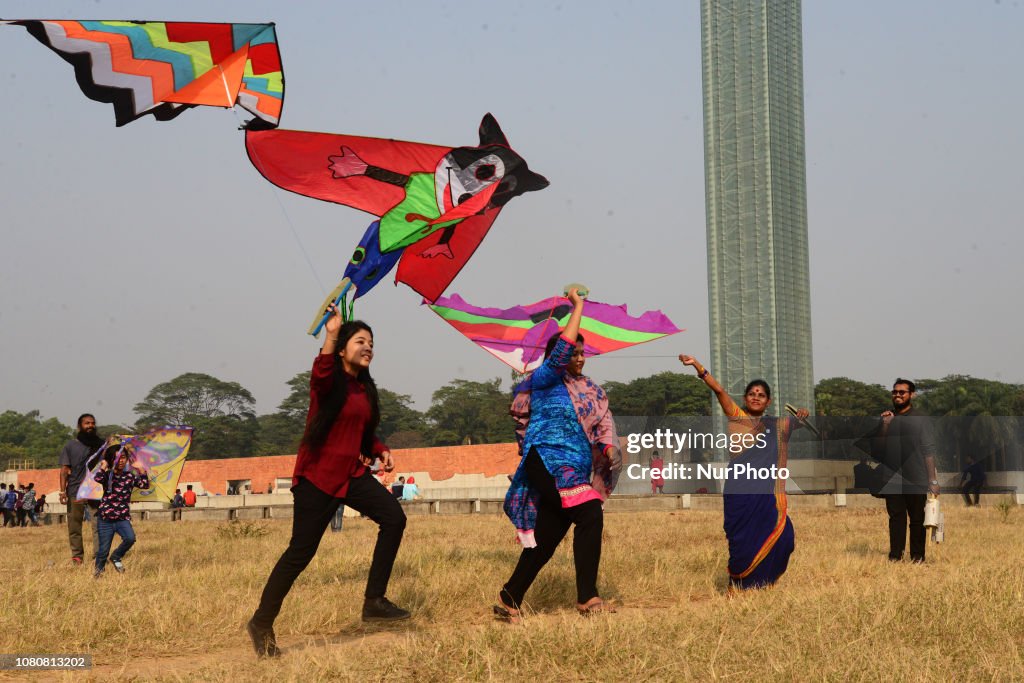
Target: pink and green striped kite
<point>516,336</point>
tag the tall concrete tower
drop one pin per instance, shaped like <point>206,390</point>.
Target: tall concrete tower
<point>758,273</point>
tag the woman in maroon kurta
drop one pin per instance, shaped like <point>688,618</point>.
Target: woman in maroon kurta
<point>332,469</point>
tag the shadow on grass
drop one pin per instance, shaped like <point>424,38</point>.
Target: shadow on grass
<point>860,548</point>
<point>358,631</point>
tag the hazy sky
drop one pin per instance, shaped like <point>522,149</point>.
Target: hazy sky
<point>132,255</point>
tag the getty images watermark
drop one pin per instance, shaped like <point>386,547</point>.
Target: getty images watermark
<point>666,439</point>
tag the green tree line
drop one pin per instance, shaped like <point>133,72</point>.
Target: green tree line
<point>464,411</point>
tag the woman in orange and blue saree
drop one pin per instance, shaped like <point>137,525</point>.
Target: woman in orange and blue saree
<point>757,526</point>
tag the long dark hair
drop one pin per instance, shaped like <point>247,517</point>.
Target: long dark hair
<point>319,426</point>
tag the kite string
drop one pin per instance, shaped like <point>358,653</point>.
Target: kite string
<point>618,355</point>
<point>287,218</point>
<point>227,89</point>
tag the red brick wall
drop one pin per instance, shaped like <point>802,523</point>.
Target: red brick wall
<point>45,481</point>
<point>445,462</point>
<point>440,463</point>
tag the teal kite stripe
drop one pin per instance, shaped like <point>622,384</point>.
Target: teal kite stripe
<point>251,34</point>
<point>258,84</point>
<point>143,48</point>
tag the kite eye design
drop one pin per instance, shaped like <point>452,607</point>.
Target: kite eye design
<point>358,255</point>
<point>455,183</point>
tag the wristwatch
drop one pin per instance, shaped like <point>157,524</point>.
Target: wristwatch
<point>934,482</point>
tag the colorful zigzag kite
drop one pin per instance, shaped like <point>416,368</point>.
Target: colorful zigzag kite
<point>163,68</point>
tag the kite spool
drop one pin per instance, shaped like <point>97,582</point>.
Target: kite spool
<point>336,297</point>
<point>581,289</point>
<point>934,519</point>
<point>931,512</point>
<point>939,532</point>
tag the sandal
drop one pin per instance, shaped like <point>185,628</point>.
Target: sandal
<point>510,615</point>
<point>592,608</point>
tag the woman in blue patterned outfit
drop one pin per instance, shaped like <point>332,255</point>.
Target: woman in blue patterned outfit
<point>570,463</point>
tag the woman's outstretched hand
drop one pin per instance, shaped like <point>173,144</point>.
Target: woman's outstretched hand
<point>333,323</point>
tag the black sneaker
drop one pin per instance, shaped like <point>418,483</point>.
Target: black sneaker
<point>382,609</point>
<point>263,640</point>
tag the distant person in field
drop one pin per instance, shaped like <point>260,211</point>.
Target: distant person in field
<point>338,520</point>
<point>333,469</point>
<point>19,509</point>
<point>74,461</point>
<point>178,501</point>
<point>757,525</point>
<point>864,476</point>
<point>971,481</point>
<point>657,482</point>
<point>8,518</point>
<point>28,504</point>
<point>11,506</point>
<point>398,487</point>
<point>410,491</point>
<point>905,443</point>
<point>8,501</point>
<point>189,496</point>
<point>570,463</point>
<point>119,474</point>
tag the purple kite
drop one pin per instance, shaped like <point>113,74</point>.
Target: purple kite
<point>517,336</point>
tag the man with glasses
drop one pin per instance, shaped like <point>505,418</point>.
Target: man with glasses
<point>905,443</point>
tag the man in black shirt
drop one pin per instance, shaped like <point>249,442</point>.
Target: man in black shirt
<point>906,444</point>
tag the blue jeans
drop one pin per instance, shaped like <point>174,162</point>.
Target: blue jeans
<point>107,529</point>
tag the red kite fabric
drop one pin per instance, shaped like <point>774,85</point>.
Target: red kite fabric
<point>435,202</point>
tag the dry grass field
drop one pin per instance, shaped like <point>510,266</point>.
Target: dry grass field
<point>841,613</point>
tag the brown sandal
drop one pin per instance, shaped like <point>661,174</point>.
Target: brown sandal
<point>592,608</point>
<point>509,615</point>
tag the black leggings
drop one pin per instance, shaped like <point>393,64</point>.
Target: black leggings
<point>313,512</point>
<point>553,523</point>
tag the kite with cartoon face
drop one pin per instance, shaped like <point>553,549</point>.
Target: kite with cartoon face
<point>464,182</point>
<point>432,201</point>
